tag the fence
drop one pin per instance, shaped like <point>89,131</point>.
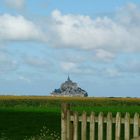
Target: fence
<point>99,127</point>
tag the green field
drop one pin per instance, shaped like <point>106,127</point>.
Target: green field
<point>25,116</point>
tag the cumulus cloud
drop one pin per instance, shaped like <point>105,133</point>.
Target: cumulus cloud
<point>17,28</point>
<point>104,35</point>
<point>17,4</point>
<point>129,15</point>
<point>81,31</point>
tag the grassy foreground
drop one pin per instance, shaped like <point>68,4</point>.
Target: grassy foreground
<point>23,117</point>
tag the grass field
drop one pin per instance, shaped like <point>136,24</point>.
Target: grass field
<point>25,116</point>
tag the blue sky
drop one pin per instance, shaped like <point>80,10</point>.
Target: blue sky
<point>96,42</point>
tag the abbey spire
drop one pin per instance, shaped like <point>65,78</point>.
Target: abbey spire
<point>68,78</point>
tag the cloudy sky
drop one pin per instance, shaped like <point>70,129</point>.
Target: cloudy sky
<point>96,42</point>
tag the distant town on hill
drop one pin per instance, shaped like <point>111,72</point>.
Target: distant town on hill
<point>69,88</point>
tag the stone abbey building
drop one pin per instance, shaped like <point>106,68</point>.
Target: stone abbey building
<point>69,88</point>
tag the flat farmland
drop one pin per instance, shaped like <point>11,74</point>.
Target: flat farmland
<point>22,117</point>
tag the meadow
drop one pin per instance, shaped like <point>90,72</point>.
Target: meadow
<point>28,117</point>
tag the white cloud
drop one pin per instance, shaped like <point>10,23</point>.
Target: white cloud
<point>17,28</point>
<point>76,68</point>
<point>129,15</point>
<point>68,66</point>
<point>104,35</point>
<point>103,55</point>
<point>17,4</point>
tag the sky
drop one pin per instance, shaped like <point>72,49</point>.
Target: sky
<point>96,42</point>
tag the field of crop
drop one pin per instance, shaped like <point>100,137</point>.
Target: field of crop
<point>23,117</point>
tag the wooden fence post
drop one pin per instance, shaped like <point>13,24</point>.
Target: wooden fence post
<point>100,126</point>
<point>127,126</point>
<point>75,125</point>
<point>118,127</point>
<point>84,126</point>
<point>109,126</point>
<point>69,126</point>
<point>64,109</point>
<point>136,125</point>
<point>92,126</point>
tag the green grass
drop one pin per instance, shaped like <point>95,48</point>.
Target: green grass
<point>17,125</point>
<point>22,117</point>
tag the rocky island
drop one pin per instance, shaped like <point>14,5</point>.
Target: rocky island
<point>69,88</point>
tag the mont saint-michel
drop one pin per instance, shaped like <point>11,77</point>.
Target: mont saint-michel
<point>69,88</point>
